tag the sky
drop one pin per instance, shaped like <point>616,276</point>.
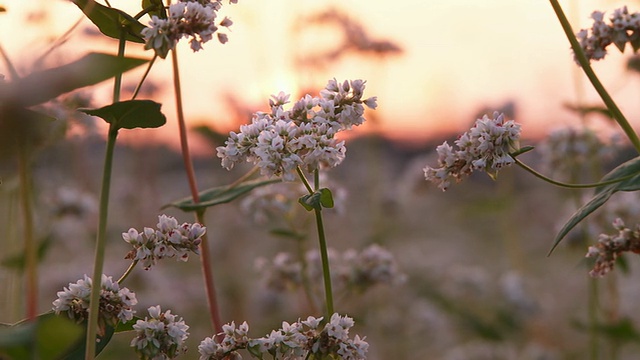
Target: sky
<point>458,56</point>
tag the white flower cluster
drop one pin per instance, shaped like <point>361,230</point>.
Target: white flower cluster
<point>352,270</point>
<point>169,240</point>
<point>160,336</point>
<point>296,341</point>
<point>374,265</point>
<point>280,141</point>
<point>115,303</point>
<point>485,146</point>
<point>610,247</point>
<point>195,19</point>
<point>569,149</point>
<point>623,28</point>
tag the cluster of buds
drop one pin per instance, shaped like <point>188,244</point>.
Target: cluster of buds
<point>352,270</point>
<point>195,19</point>
<point>161,335</point>
<point>304,136</point>
<point>168,240</point>
<point>300,340</point>
<point>623,28</point>
<point>115,303</point>
<point>610,247</point>
<point>569,149</point>
<point>486,146</point>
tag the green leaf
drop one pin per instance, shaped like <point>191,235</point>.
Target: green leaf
<point>48,337</point>
<point>18,261</point>
<point>111,21</point>
<point>319,199</point>
<point>41,86</point>
<point>219,195</point>
<point>602,194</point>
<point>326,198</point>
<point>128,326</point>
<point>130,114</point>
<point>286,233</point>
<point>586,110</point>
<point>157,6</point>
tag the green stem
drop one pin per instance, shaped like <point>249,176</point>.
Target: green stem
<point>144,77</point>
<point>98,262</point>
<point>572,186</point>
<point>30,248</point>
<point>326,273</point>
<point>129,270</point>
<point>324,254</point>
<point>594,343</point>
<point>591,75</point>
<point>205,254</point>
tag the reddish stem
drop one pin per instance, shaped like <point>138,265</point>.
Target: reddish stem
<point>188,164</point>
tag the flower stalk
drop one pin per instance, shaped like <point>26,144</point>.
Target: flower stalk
<point>205,253</point>
<point>593,78</point>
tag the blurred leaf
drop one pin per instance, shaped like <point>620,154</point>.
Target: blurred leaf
<point>622,264</point>
<point>158,8</point>
<point>128,326</point>
<point>110,21</point>
<point>130,114</point>
<point>22,129</point>
<point>78,350</point>
<point>48,337</point>
<point>586,110</point>
<point>219,195</point>
<point>3,9</point>
<point>41,86</point>
<point>603,193</point>
<point>633,64</point>
<point>286,233</point>
<point>214,137</point>
<point>319,199</point>
<point>621,331</point>
<point>18,261</point>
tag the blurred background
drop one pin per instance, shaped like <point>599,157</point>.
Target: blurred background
<point>476,279</point>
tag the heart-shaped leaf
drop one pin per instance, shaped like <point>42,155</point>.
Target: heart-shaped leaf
<point>219,195</point>
<point>112,22</point>
<point>319,199</point>
<point>130,114</point>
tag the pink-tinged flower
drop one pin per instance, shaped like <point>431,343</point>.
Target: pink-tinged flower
<point>486,147</point>
<point>193,19</point>
<point>304,136</point>
<point>116,303</point>
<point>161,335</point>
<point>169,240</point>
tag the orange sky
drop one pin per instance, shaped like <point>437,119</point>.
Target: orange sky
<point>459,55</point>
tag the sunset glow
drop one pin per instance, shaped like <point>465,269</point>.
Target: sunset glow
<point>457,57</point>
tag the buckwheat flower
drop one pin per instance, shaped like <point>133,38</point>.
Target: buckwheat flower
<point>374,265</point>
<point>161,335</point>
<point>610,247</point>
<point>303,136</point>
<point>568,150</point>
<point>299,340</point>
<point>169,240</point>
<point>486,146</point>
<point>193,19</point>
<point>623,28</point>
<point>116,304</point>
